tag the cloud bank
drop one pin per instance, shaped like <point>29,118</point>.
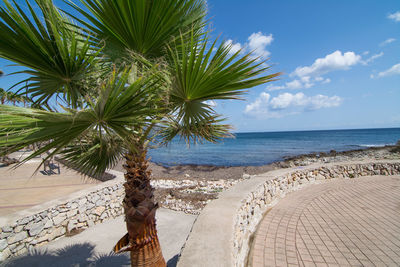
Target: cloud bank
<point>394,70</point>
<point>395,16</point>
<point>387,41</point>
<point>285,104</point>
<point>257,43</point>
<point>332,62</point>
<point>308,76</point>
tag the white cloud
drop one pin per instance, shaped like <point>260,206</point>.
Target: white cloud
<point>275,87</point>
<point>395,16</point>
<point>327,80</point>
<point>372,58</point>
<point>258,42</point>
<point>258,105</point>
<point>303,82</point>
<point>295,84</point>
<point>331,62</point>
<point>286,104</point>
<point>387,41</point>
<point>323,101</point>
<point>308,76</point>
<point>394,70</point>
<point>283,101</point>
<point>235,47</point>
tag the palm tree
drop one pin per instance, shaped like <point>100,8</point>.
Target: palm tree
<point>3,96</point>
<point>2,91</point>
<point>132,72</point>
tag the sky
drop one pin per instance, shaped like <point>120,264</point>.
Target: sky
<point>340,62</point>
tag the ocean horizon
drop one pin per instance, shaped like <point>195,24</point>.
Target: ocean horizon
<point>260,148</point>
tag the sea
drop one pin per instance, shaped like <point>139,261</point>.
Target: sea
<point>260,148</point>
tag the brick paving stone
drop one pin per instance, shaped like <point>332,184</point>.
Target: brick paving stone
<point>340,222</point>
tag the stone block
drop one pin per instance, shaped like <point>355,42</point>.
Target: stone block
<point>36,228</point>
<point>100,202</point>
<point>3,244</point>
<point>25,220</point>
<point>18,229</point>
<point>82,201</point>
<point>72,213</point>
<point>42,238</point>
<point>89,206</point>
<point>44,214</point>
<point>56,233</point>
<point>48,224</point>
<point>17,237</point>
<point>59,218</point>
<point>99,210</point>
<point>5,254</point>
<point>94,198</point>
<point>71,225</point>
<point>5,235</point>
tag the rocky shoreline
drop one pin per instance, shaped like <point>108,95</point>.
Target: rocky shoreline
<point>189,188</point>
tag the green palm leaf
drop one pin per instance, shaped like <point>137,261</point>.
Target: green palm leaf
<point>200,74</point>
<point>142,26</point>
<point>56,59</point>
<point>99,133</point>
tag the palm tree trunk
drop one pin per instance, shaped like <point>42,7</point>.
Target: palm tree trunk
<point>140,210</point>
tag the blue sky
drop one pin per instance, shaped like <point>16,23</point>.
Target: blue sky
<point>340,59</point>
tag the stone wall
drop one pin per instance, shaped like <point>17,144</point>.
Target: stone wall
<point>258,201</point>
<point>63,219</point>
<point>94,206</point>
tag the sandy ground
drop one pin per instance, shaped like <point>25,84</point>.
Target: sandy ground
<point>22,188</point>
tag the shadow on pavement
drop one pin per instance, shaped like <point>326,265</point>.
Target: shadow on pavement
<point>73,255</point>
<point>172,262</point>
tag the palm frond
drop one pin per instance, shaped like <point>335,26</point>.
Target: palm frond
<point>91,139</point>
<point>142,26</point>
<point>101,151</point>
<point>200,73</point>
<point>56,59</point>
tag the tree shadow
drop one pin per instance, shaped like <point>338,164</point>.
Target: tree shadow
<point>72,255</point>
<point>172,262</point>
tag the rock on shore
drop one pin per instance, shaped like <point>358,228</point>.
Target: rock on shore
<point>189,187</point>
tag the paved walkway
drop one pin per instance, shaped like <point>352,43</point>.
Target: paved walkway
<point>93,246</point>
<point>352,222</point>
<point>21,189</point>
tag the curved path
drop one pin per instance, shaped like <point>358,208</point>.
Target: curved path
<point>341,222</point>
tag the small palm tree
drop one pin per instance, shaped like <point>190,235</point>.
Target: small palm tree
<point>3,96</point>
<point>132,72</point>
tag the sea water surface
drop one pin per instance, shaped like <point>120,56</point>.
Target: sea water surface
<point>252,149</point>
